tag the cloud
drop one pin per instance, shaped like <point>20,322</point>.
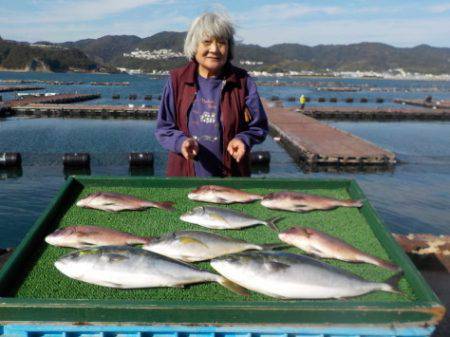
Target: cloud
<point>397,32</point>
<point>286,11</point>
<point>54,32</point>
<point>76,11</point>
<point>438,9</point>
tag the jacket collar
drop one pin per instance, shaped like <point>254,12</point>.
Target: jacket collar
<point>189,73</point>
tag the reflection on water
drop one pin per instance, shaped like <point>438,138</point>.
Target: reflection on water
<point>10,172</point>
<point>83,171</point>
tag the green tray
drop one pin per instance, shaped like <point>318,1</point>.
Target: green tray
<point>31,289</point>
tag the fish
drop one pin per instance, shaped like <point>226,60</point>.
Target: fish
<point>115,202</point>
<point>291,276</point>
<point>302,202</point>
<point>88,236</point>
<point>222,218</point>
<point>222,195</point>
<point>129,267</point>
<point>194,246</point>
<point>320,244</point>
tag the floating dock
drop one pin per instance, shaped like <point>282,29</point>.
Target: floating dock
<point>54,99</point>
<point>440,104</point>
<point>314,143</point>
<point>21,88</point>
<point>378,114</point>
<point>89,111</point>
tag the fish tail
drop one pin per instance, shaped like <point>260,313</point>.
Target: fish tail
<point>391,284</point>
<point>386,264</point>
<point>352,203</point>
<point>271,223</point>
<point>234,287</point>
<point>259,196</point>
<point>167,205</point>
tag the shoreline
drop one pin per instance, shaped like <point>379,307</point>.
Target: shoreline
<point>412,77</point>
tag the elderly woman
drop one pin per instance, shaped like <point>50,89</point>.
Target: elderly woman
<point>210,114</point>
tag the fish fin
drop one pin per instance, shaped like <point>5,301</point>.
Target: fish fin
<point>272,246</point>
<point>303,208</point>
<point>188,240</point>
<point>273,266</point>
<point>271,223</point>
<point>234,287</point>
<point>166,205</point>
<point>112,284</point>
<point>220,200</point>
<point>116,257</point>
<point>88,244</point>
<point>393,281</point>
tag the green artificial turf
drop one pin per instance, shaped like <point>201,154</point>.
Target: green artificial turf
<point>44,281</point>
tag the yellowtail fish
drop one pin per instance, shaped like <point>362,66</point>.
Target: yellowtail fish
<point>223,218</point>
<point>88,236</point>
<point>302,202</point>
<point>222,195</point>
<point>291,276</point>
<point>320,244</point>
<point>115,202</point>
<point>193,246</point>
<point>130,268</point>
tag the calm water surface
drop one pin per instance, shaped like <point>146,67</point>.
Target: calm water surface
<point>414,197</point>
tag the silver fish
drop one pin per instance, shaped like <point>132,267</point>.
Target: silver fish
<point>222,195</point>
<point>302,202</point>
<point>193,246</point>
<point>291,276</point>
<point>88,236</point>
<point>115,202</point>
<point>320,244</point>
<point>129,268</point>
<point>222,218</point>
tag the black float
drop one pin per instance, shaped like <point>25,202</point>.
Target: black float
<point>76,160</point>
<point>260,158</point>
<point>10,159</point>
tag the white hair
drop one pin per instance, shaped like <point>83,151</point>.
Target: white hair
<point>209,25</point>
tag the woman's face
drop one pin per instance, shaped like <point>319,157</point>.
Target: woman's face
<point>212,54</point>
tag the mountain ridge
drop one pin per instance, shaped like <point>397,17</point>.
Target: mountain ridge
<point>161,51</point>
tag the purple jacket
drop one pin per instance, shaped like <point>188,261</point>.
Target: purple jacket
<point>171,137</point>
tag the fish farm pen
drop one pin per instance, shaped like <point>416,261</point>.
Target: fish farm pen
<point>37,300</point>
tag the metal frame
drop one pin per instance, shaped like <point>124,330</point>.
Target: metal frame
<point>426,311</point>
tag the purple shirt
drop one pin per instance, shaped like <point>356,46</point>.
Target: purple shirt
<point>204,123</point>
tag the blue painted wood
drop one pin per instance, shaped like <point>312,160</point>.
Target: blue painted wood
<point>48,330</point>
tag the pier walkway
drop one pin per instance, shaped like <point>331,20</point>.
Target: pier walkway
<point>90,111</point>
<point>54,99</point>
<point>310,141</point>
<point>376,114</point>
<point>21,88</point>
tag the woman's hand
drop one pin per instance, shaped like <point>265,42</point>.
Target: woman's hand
<point>236,148</point>
<point>189,148</point>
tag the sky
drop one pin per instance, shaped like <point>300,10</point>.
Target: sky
<point>264,22</point>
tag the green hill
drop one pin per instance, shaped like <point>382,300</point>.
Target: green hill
<point>45,57</point>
